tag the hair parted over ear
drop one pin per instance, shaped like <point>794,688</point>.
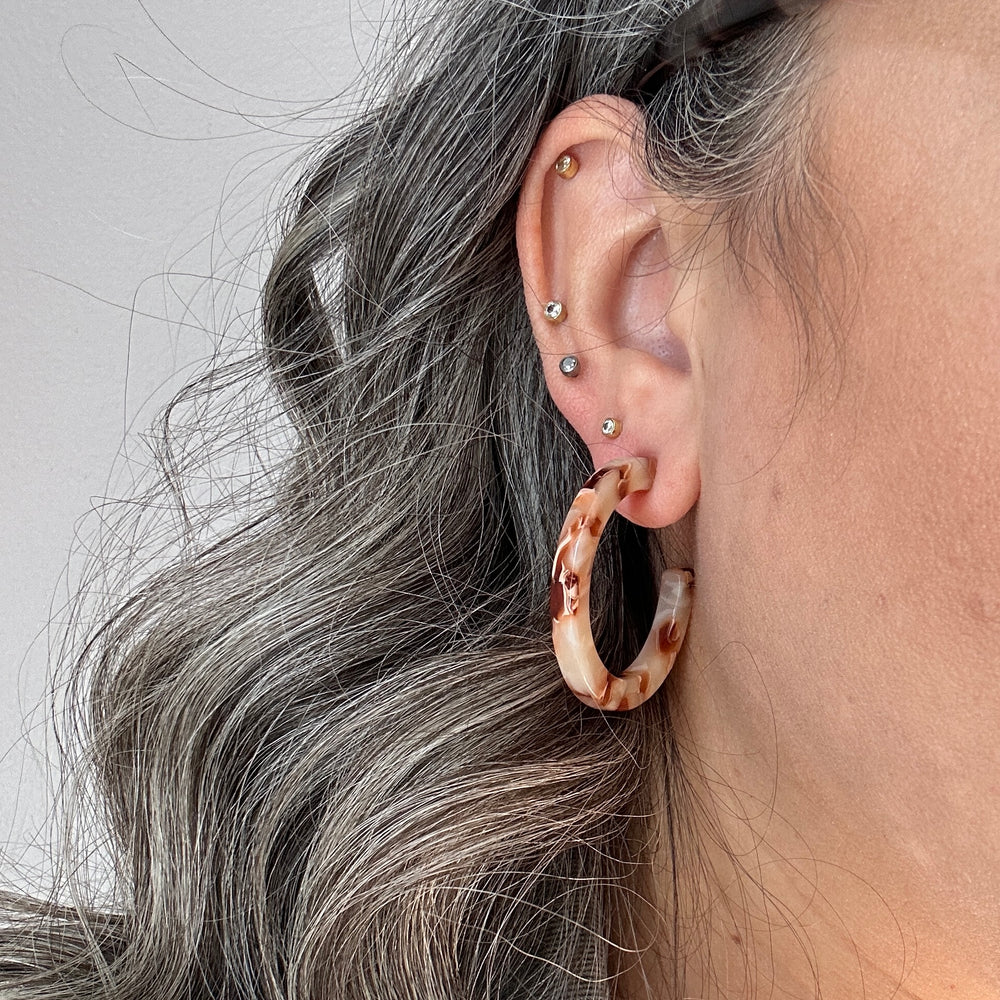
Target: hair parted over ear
<point>599,242</point>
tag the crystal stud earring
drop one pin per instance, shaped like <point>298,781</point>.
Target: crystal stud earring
<point>611,427</point>
<point>570,366</point>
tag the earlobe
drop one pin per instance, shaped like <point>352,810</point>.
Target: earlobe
<point>601,290</point>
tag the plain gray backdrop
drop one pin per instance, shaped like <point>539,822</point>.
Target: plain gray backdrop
<point>142,148</point>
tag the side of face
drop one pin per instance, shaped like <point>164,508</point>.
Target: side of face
<point>848,534</point>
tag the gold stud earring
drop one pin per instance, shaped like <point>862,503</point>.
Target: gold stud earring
<point>611,427</point>
<point>567,166</point>
<point>555,312</point>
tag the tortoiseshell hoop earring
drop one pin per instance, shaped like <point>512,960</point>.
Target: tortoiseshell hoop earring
<point>569,598</point>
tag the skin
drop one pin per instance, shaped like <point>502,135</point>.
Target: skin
<point>838,698</point>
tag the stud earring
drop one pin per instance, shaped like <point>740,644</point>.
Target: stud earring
<point>567,166</point>
<point>569,598</point>
<point>570,366</point>
<point>555,312</point>
<point>611,427</point>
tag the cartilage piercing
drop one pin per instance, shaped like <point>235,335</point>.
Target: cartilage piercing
<point>566,166</point>
<point>570,366</point>
<point>555,312</point>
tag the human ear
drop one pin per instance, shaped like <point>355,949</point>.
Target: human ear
<point>592,238</point>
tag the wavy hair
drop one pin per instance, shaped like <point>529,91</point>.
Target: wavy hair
<point>330,744</point>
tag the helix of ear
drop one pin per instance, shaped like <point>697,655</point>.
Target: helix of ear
<point>569,598</point>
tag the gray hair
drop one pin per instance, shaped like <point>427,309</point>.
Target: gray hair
<point>330,744</point>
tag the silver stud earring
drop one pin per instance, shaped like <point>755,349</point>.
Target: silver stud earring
<point>570,366</point>
<point>611,427</point>
<point>555,312</point>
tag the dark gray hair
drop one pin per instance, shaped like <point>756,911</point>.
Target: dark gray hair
<point>331,745</point>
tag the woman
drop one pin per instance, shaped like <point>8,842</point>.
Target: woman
<point>337,756</point>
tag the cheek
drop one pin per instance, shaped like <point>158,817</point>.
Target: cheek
<point>917,172</point>
<point>848,591</point>
<point>868,508</point>
<point>848,534</point>
<point>875,497</point>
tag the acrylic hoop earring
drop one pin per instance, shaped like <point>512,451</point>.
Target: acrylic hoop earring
<point>569,598</point>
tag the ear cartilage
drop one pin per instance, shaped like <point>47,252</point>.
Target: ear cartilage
<point>569,598</point>
<point>570,366</point>
<point>611,427</point>
<point>555,312</point>
<point>567,166</point>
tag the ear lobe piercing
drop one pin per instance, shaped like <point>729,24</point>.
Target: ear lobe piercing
<point>611,427</point>
<point>567,166</point>
<point>555,312</point>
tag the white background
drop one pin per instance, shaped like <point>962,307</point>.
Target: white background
<point>142,148</point>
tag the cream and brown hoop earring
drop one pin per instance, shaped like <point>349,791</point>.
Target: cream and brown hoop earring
<point>566,166</point>
<point>569,598</point>
<point>611,427</point>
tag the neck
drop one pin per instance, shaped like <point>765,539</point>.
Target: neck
<point>802,893</point>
